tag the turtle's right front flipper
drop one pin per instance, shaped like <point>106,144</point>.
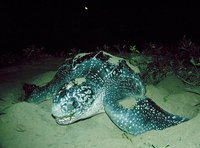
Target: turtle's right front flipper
<point>34,93</point>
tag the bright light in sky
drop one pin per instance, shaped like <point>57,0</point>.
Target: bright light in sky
<point>86,8</point>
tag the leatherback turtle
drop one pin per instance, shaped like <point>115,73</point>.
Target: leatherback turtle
<point>95,82</point>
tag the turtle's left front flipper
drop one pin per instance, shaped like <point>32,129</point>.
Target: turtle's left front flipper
<point>146,115</point>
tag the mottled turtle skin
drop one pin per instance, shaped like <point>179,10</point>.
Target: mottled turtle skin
<point>96,82</point>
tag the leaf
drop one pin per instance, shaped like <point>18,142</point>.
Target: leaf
<point>192,61</point>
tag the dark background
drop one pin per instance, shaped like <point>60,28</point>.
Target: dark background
<point>66,24</point>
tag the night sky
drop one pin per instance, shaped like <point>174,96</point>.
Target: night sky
<point>65,24</point>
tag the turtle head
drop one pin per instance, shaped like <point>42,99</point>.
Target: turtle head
<point>72,103</point>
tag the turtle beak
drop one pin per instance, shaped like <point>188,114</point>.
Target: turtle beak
<point>56,111</point>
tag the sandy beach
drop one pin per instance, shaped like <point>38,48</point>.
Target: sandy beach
<point>25,125</point>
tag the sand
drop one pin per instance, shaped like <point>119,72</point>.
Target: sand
<point>24,125</point>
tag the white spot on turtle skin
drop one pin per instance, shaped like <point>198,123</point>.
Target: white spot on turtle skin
<point>174,117</point>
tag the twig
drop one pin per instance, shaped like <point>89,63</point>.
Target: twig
<point>193,84</point>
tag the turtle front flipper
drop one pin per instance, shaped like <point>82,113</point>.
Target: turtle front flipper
<point>146,115</point>
<point>28,89</point>
<point>34,93</point>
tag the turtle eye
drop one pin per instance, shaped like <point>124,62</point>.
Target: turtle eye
<point>74,103</point>
<point>69,105</point>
